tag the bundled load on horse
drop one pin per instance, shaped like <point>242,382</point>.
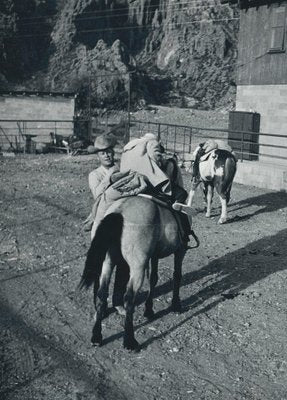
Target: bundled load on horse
<point>145,171</point>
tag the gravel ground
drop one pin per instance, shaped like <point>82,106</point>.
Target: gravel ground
<point>228,343</point>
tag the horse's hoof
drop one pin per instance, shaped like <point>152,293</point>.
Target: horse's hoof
<point>207,215</point>
<point>97,340</point>
<point>96,344</point>
<point>176,307</point>
<point>149,314</point>
<point>222,220</point>
<point>131,344</point>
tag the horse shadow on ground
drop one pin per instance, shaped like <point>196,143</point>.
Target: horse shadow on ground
<point>268,202</point>
<point>44,347</point>
<point>229,276</point>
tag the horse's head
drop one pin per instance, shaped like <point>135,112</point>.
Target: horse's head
<point>197,151</point>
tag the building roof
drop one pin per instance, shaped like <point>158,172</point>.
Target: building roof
<point>37,93</point>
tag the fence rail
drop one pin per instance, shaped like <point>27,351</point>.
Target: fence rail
<point>24,135</point>
<point>183,140</point>
<point>18,135</point>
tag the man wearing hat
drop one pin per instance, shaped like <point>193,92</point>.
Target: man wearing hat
<point>99,181</point>
<point>99,178</point>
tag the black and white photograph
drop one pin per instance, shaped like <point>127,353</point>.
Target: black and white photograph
<point>143,200</point>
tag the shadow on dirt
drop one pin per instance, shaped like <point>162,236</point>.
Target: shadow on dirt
<point>267,202</point>
<point>229,276</point>
<point>65,210</point>
<point>97,380</point>
<point>49,268</point>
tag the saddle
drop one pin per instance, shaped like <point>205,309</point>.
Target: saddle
<point>136,184</point>
<point>205,156</point>
<point>180,215</point>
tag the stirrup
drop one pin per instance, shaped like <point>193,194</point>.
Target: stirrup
<point>182,208</point>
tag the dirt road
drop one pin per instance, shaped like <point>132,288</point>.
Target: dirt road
<point>229,342</point>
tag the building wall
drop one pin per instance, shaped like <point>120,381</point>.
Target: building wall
<point>271,102</point>
<point>256,65</point>
<point>36,108</point>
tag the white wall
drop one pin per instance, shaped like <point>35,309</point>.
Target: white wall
<point>36,108</point>
<point>271,102</point>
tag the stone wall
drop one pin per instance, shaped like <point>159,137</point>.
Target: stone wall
<point>260,174</point>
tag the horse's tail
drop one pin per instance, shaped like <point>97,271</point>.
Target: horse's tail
<point>108,233</point>
<point>229,173</point>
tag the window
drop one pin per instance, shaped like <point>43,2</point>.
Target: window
<point>278,29</point>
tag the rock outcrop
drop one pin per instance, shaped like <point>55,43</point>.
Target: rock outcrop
<point>181,52</point>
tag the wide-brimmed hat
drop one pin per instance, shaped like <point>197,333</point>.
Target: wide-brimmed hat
<point>104,142</point>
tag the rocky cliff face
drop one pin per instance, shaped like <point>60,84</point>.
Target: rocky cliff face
<point>180,52</point>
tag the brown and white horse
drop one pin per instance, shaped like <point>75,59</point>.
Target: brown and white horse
<point>217,169</point>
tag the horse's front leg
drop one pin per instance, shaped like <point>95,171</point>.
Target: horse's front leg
<point>149,313</point>
<point>101,292</point>
<point>223,216</point>
<point>209,195</point>
<point>177,274</point>
<point>194,185</point>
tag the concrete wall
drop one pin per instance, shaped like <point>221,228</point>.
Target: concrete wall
<point>271,102</point>
<point>263,175</point>
<point>36,108</point>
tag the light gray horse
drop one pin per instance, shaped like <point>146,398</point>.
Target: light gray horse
<point>134,232</point>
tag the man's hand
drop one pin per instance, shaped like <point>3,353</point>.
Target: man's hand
<point>116,176</point>
<point>131,185</point>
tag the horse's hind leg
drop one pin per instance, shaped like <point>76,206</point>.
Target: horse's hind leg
<point>101,291</point>
<point>228,192</point>
<point>120,284</point>
<point>133,287</point>
<point>177,274</point>
<point>224,197</point>
<point>223,216</point>
<point>149,313</point>
<point>209,190</point>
